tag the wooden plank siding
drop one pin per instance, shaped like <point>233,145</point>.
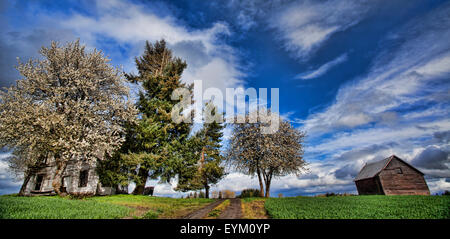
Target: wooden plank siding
<point>370,186</point>
<point>391,176</point>
<point>399,178</point>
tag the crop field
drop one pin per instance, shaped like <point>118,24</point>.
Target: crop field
<point>360,207</point>
<point>107,207</point>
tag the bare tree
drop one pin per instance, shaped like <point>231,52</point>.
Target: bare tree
<point>70,105</point>
<point>266,155</point>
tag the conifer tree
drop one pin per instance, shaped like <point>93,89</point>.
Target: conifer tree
<point>205,145</point>
<point>154,146</point>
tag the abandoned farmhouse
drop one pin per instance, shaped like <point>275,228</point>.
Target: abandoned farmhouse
<point>79,178</point>
<point>391,176</point>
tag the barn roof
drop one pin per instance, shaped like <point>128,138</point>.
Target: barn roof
<point>371,170</point>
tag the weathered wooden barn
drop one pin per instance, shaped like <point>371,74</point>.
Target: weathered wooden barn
<point>391,176</point>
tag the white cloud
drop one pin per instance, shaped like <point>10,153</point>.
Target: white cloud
<point>364,137</point>
<point>323,68</point>
<point>306,25</point>
<point>438,186</point>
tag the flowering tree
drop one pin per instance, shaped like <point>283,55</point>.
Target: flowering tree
<point>266,155</point>
<point>71,105</point>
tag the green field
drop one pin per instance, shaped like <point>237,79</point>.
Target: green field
<point>360,207</point>
<point>131,206</point>
<point>58,208</point>
<point>108,207</point>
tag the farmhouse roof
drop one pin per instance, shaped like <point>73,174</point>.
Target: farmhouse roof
<point>371,170</point>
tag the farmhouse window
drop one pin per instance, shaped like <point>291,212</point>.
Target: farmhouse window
<point>39,180</point>
<point>83,178</point>
<point>399,171</point>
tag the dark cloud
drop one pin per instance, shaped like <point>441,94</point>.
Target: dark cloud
<point>442,137</point>
<point>432,157</point>
<point>349,170</point>
<point>8,74</point>
<point>194,52</point>
<point>357,154</point>
<point>24,45</point>
<point>8,184</point>
<point>308,176</point>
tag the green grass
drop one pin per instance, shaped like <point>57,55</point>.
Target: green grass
<point>360,207</point>
<point>107,207</point>
<point>14,207</point>
<point>251,199</point>
<point>155,207</point>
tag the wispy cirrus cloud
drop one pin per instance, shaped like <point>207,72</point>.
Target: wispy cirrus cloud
<point>402,104</point>
<point>305,25</point>
<point>322,69</point>
<point>412,79</point>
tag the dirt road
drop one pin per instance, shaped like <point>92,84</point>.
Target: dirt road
<point>233,211</point>
<point>201,213</point>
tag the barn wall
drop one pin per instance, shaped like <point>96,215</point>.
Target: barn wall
<point>409,182</point>
<point>71,180</point>
<point>370,186</point>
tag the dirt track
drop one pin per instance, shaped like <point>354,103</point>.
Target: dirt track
<point>233,211</point>
<point>201,213</point>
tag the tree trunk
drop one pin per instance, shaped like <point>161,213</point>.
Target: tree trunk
<point>268,188</point>
<point>205,178</point>
<point>57,180</point>
<point>268,180</point>
<point>206,191</point>
<point>261,186</point>
<point>25,183</point>
<point>143,175</point>
<point>139,189</point>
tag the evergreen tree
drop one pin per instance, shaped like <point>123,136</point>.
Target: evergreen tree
<point>206,144</point>
<point>154,146</point>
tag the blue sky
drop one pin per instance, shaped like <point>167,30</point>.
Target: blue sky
<point>364,79</point>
